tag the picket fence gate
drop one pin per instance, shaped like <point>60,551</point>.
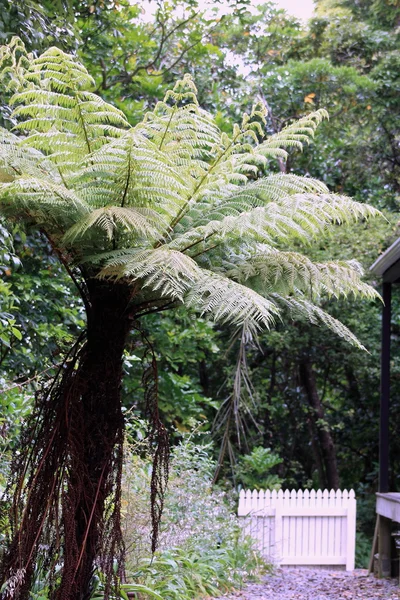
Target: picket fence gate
<point>301,528</point>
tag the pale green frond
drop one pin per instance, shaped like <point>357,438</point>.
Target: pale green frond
<point>296,134</point>
<point>61,72</point>
<point>178,126</point>
<point>231,200</point>
<point>131,171</point>
<point>226,301</point>
<point>79,123</point>
<point>165,271</point>
<point>298,216</point>
<point>287,272</point>
<point>59,114</point>
<point>17,159</point>
<point>301,308</point>
<point>40,200</point>
<point>15,63</point>
<point>140,222</point>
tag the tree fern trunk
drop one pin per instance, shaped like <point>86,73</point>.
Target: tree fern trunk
<point>73,458</point>
<point>95,440</point>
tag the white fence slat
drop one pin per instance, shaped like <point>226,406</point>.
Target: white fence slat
<point>303,527</point>
<point>351,531</point>
<point>306,525</point>
<point>318,526</point>
<point>331,524</point>
<point>298,524</point>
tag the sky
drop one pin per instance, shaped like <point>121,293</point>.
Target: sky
<point>302,9</point>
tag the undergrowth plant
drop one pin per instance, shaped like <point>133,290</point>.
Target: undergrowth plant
<point>253,470</point>
<point>171,211</point>
<point>202,549</point>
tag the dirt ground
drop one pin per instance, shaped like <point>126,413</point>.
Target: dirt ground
<point>318,584</point>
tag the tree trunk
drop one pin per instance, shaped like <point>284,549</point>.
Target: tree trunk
<point>99,423</point>
<point>75,461</point>
<point>316,450</point>
<point>308,380</point>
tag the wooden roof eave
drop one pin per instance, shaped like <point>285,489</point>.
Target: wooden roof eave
<point>387,265</point>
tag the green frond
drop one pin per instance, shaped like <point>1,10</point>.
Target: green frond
<point>286,273</point>
<point>14,64</point>
<point>17,159</point>
<point>139,222</point>
<point>163,270</point>
<point>75,125</point>
<point>184,90</point>
<point>60,72</point>
<point>176,276</point>
<point>57,111</point>
<point>226,301</point>
<point>296,134</point>
<point>40,201</point>
<point>299,216</point>
<point>131,171</point>
<point>174,205</point>
<point>229,200</point>
<point>302,308</point>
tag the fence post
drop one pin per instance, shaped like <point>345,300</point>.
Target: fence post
<point>351,532</point>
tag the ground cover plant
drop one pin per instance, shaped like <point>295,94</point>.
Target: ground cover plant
<point>171,211</point>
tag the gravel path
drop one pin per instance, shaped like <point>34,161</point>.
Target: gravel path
<point>318,584</point>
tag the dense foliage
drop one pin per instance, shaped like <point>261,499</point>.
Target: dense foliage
<point>293,392</point>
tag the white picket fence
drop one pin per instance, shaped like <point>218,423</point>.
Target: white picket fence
<point>301,528</point>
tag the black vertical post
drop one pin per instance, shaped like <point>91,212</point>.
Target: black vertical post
<point>385,390</point>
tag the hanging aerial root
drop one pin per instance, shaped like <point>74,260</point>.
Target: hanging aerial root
<point>158,437</point>
<point>64,494</point>
<point>34,489</point>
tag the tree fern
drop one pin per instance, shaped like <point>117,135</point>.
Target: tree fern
<point>173,183</point>
<point>172,211</point>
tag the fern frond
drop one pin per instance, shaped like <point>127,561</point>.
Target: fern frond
<point>40,201</point>
<point>226,301</point>
<point>300,216</point>
<point>296,134</point>
<point>14,64</point>
<point>141,222</point>
<point>301,308</point>
<point>17,159</point>
<point>61,116</point>
<point>131,171</point>
<point>286,273</point>
<point>60,71</point>
<point>163,270</point>
<point>176,276</point>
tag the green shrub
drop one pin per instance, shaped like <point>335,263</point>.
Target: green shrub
<point>253,470</point>
<point>202,550</point>
<point>363,550</point>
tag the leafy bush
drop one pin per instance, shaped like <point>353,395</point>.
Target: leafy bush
<point>363,550</point>
<point>202,551</point>
<point>254,470</point>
